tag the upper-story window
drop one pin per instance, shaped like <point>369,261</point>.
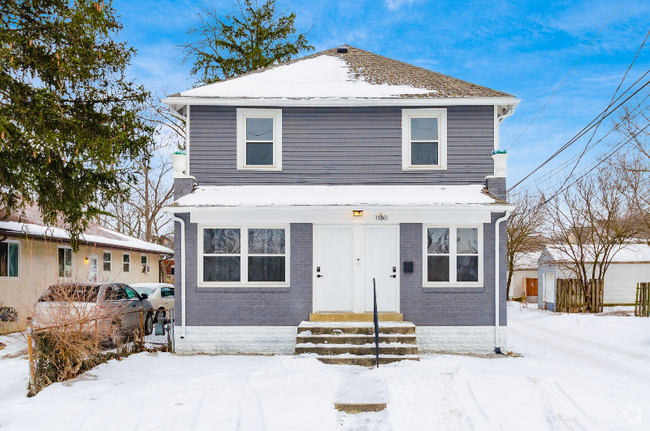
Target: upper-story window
<point>424,139</point>
<point>259,139</point>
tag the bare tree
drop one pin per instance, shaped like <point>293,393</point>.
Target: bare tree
<point>590,223</point>
<point>524,229</point>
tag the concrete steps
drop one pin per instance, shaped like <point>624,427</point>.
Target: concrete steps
<point>353,342</point>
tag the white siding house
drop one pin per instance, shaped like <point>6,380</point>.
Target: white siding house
<point>630,265</point>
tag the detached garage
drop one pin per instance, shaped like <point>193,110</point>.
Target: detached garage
<point>630,265</point>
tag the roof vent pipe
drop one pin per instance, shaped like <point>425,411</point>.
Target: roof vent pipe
<point>342,50</point>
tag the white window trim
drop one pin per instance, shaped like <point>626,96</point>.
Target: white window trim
<point>130,262</point>
<point>453,244</point>
<point>71,262</point>
<point>243,268</point>
<point>276,115</point>
<point>7,277</point>
<point>104,261</point>
<point>441,115</point>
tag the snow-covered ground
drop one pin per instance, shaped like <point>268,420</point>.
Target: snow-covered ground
<point>577,372</point>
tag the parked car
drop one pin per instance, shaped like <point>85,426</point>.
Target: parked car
<point>115,307</point>
<point>161,296</point>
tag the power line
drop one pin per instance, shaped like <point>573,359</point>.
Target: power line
<point>599,118</point>
<point>565,78</point>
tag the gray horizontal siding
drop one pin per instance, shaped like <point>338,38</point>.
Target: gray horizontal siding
<point>341,146</point>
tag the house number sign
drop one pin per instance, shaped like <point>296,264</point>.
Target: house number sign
<point>381,217</point>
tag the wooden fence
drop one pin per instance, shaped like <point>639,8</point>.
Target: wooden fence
<point>571,297</point>
<point>642,303</point>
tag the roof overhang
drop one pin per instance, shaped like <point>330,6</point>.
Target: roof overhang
<point>178,102</point>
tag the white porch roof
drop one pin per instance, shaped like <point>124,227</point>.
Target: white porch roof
<point>336,196</point>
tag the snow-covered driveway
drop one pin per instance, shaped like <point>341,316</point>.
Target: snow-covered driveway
<point>576,373</point>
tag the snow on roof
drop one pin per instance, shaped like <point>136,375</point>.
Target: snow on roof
<point>528,260</point>
<point>298,196</point>
<point>102,236</point>
<point>329,74</point>
<point>321,77</point>
<point>632,253</point>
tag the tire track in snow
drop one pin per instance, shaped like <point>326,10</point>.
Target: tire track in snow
<point>553,417</point>
<point>251,416</point>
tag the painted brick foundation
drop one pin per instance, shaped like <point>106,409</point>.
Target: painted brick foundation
<point>458,339</point>
<point>237,340</point>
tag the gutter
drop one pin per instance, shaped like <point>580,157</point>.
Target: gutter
<point>182,223</point>
<point>497,281</point>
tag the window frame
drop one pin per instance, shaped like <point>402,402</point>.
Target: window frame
<point>17,276</point>
<point>128,263</point>
<point>453,256</point>
<point>144,265</point>
<point>441,115</point>
<point>62,247</point>
<point>110,262</point>
<point>276,116</point>
<point>243,253</point>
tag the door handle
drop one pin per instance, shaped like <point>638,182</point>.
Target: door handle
<point>319,275</point>
<point>393,276</point>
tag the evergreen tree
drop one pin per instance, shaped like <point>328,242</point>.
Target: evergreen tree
<point>68,116</point>
<point>251,38</point>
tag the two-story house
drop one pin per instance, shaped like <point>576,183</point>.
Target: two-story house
<point>305,181</point>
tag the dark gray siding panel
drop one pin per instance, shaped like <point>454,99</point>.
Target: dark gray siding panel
<point>250,306</point>
<point>341,146</point>
<point>451,307</point>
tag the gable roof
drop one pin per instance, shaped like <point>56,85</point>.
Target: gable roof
<point>526,260</point>
<point>355,74</point>
<point>31,224</point>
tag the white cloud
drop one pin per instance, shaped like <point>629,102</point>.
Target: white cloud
<point>396,4</point>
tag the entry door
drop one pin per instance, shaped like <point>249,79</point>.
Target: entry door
<point>381,261</point>
<point>93,270</point>
<point>333,268</point>
<point>549,287</point>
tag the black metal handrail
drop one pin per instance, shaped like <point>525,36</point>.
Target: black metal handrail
<point>376,320</point>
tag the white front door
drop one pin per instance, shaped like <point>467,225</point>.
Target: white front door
<point>93,269</point>
<point>381,262</point>
<point>333,268</point>
<point>549,287</point>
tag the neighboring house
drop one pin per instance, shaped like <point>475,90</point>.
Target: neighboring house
<point>630,265</point>
<point>305,181</point>
<point>524,276</point>
<point>34,256</point>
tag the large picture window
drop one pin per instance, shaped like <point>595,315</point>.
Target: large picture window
<point>259,139</point>
<point>9,259</point>
<point>453,255</point>
<point>244,256</point>
<point>424,139</point>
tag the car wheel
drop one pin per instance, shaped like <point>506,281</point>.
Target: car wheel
<point>148,324</point>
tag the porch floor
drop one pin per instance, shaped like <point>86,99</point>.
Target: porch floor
<point>354,317</point>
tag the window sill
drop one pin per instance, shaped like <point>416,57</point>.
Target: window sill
<point>424,168</point>
<point>243,289</point>
<point>454,289</point>
<point>259,168</point>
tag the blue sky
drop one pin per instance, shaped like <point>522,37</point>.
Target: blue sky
<point>523,48</point>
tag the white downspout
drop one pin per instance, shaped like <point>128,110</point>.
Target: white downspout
<point>182,222</point>
<point>497,280</point>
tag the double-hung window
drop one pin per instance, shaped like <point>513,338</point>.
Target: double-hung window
<point>9,259</point>
<point>65,262</point>
<point>126,262</point>
<point>453,255</point>
<point>259,139</point>
<point>244,256</point>
<point>107,261</point>
<point>424,139</point>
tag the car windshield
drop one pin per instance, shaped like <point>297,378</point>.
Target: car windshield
<point>71,293</point>
<point>145,290</point>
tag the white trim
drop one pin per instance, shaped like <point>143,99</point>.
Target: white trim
<point>110,252</point>
<point>496,127</point>
<point>187,140</point>
<point>441,115</point>
<point>453,235</point>
<point>71,262</point>
<point>178,102</point>
<point>17,277</point>
<point>276,116</point>
<point>243,268</point>
<point>123,262</point>
<point>145,265</point>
